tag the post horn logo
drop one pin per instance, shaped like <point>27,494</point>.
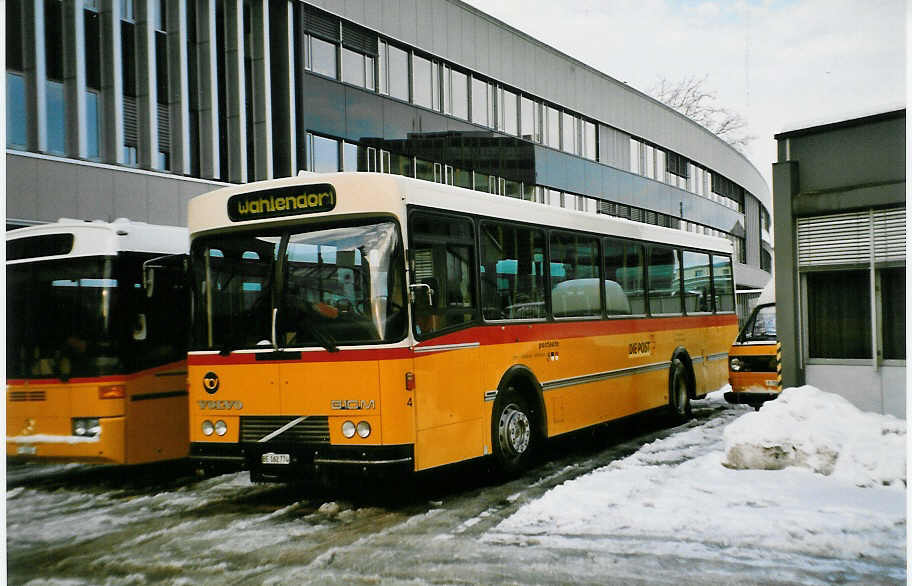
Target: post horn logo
<point>29,428</point>
<point>210,382</point>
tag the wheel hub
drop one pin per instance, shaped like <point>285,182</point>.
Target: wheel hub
<point>515,432</point>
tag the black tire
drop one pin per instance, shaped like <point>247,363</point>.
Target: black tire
<point>679,392</point>
<point>514,436</point>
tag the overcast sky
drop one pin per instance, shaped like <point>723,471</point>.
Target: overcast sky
<point>782,64</point>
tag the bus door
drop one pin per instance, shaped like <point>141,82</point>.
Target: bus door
<point>448,395</point>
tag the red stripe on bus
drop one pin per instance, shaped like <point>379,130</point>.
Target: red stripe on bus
<point>486,335</point>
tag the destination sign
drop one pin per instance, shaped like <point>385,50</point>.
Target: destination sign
<point>285,201</point>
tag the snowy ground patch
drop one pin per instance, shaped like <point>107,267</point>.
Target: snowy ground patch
<point>682,495</point>
<point>823,432</point>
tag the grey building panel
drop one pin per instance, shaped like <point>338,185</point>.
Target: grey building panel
<point>851,156</point>
<point>356,8</point>
<point>408,21</point>
<point>52,182</point>
<point>164,203</point>
<point>95,191</point>
<point>94,194</point>
<point>469,38</point>
<point>132,199</point>
<point>389,16</point>
<point>424,19</point>
<point>453,19</point>
<point>441,35</point>
<point>22,178</point>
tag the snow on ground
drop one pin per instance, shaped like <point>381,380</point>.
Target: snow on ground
<point>807,477</point>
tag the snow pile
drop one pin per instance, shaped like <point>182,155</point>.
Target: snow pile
<point>810,428</point>
<point>675,497</point>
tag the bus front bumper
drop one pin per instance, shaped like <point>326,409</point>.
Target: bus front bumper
<point>293,463</point>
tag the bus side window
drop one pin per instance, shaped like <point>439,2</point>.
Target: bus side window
<point>664,281</point>
<point>624,271</point>
<point>697,285</point>
<point>512,272</point>
<point>443,252</point>
<point>722,283</point>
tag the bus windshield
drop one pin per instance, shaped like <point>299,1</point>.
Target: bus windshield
<point>62,319</point>
<point>324,286</point>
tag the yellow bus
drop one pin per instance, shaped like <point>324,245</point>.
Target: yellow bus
<point>95,356</point>
<point>359,321</point>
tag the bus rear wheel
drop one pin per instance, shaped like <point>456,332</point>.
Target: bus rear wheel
<point>678,392</point>
<point>513,432</point>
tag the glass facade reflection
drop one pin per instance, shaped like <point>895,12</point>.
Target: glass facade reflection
<point>347,95</point>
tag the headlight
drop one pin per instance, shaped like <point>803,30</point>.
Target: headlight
<point>348,429</point>
<point>735,364</point>
<point>208,428</point>
<point>86,427</point>
<point>364,428</point>
<point>221,428</point>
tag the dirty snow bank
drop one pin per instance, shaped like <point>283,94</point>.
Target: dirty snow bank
<point>810,428</point>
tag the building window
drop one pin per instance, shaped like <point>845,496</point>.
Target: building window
<point>589,141</point>
<point>839,314</point>
<point>324,154</point>
<point>350,157</point>
<point>56,105</point>
<point>322,57</point>
<point>480,102</point>
<point>893,320</point>
<point>569,133</point>
<point>530,119</point>
<point>424,82</point>
<point>397,71</point>
<point>93,125</point>
<point>676,164</point>
<point>16,105</point>
<point>636,163</point>
<point>552,127</point>
<point>16,123</point>
<point>456,93</point>
<point>508,112</point>
<point>127,10</point>
<point>766,261</point>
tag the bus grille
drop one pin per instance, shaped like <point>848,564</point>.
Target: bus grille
<point>27,396</point>
<point>312,430</point>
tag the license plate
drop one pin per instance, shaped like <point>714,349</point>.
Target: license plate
<point>271,458</point>
<point>26,450</point>
<point>772,383</point>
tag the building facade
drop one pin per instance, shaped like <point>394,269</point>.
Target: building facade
<point>839,192</point>
<point>128,108</point>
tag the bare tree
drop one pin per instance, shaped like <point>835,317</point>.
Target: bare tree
<point>690,97</point>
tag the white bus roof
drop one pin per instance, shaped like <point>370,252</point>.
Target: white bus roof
<point>362,194</point>
<point>94,238</point>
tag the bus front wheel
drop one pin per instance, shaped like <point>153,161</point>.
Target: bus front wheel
<point>513,432</point>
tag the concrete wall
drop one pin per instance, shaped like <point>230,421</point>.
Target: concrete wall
<point>57,188</point>
<point>848,165</point>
